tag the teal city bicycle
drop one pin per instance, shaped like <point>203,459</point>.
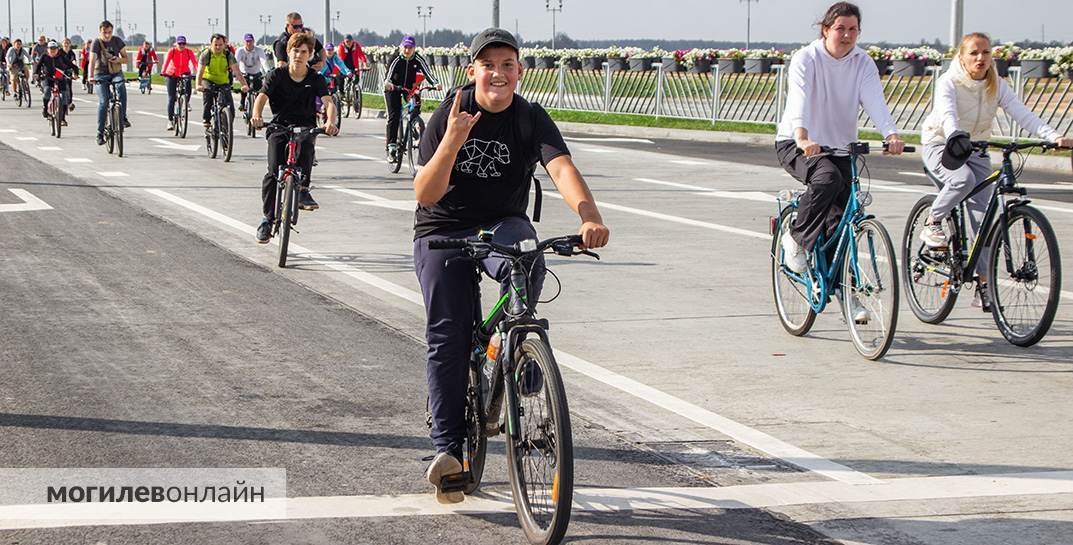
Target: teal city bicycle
<point>856,266</point>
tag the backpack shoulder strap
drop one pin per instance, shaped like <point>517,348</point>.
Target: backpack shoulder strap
<point>525,117</point>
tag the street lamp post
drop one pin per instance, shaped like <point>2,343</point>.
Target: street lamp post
<point>495,13</point>
<point>33,25</point>
<point>155,37</point>
<point>169,25</point>
<point>64,18</point>
<point>424,15</point>
<point>554,11</point>
<point>213,23</point>
<point>748,21</point>
<point>957,17</point>
<point>9,18</point>
<point>335,23</point>
<point>265,21</point>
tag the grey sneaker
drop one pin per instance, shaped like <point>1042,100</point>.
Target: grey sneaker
<point>982,300</point>
<point>933,234</point>
<point>443,465</point>
<point>857,311</point>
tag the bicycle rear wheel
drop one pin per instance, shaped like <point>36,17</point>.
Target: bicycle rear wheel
<point>540,451</point>
<point>288,213</point>
<point>926,272</point>
<point>870,281</point>
<point>1024,276</point>
<point>791,295</point>
<point>227,134</point>
<point>417,128</point>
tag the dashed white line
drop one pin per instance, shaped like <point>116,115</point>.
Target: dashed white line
<point>8,131</point>
<point>914,174</point>
<point>161,116</point>
<point>26,138</point>
<point>360,156</point>
<point>687,162</point>
<point>78,160</point>
<point>49,148</point>
<point>613,139</point>
<point>597,150</point>
<point>757,196</point>
<point>113,174</point>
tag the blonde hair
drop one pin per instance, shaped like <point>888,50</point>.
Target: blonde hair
<point>992,74</point>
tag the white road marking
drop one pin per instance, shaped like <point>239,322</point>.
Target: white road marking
<point>29,202</point>
<point>635,140</point>
<point>78,160</point>
<point>754,438</point>
<point>360,156</point>
<point>8,131</point>
<point>87,101</point>
<point>758,196</point>
<point>1051,187</point>
<point>376,136</point>
<point>49,148</point>
<point>687,162</point>
<point>598,500</point>
<point>113,174</point>
<point>914,174</point>
<point>406,206</point>
<point>168,144</point>
<point>26,138</point>
<point>597,150</point>
<point>162,116</point>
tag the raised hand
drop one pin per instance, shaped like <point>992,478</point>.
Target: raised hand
<point>459,123</point>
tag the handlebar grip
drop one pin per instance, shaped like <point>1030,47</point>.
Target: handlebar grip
<point>574,239</point>
<point>910,149</point>
<point>447,244</point>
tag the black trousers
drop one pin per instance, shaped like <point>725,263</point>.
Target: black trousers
<point>394,115</point>
<point>210,96</point>
<point>827,182</point>
<point>277,157</point>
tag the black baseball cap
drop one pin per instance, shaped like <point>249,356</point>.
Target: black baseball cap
<point>492,36</point>
<point>957,150</point>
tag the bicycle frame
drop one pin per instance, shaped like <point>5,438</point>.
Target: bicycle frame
<point>824,278</point>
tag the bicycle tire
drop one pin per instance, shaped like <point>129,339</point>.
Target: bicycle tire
<point>413,143</point>
<point>476,441</point>
<point>803,315</point>
<point>29,98</point>
<point>338,115</point>
<point>61,112</point>
<point>917,278</point>
<point>358,100</point>
<point>288,211</point>
<point>117,116</point>
<point>212,136</point>
<point>184,116</point>
<point>396,161</point>
<point>560,496</point>
<point>872,346</point>
<point>1002,306</point>
<point>52,123</point>
<point>227,134</point>
<point>109,130</point>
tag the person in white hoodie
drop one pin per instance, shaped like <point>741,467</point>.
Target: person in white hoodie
<point>829,80</point>
<point>967,98</point>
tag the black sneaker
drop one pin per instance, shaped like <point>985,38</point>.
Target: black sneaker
<point>305,200</point>
<point>264,231</point>
<point>100,140</point>
<point>126,123</point>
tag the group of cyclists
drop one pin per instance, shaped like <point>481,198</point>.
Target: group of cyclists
<point>829,80</point>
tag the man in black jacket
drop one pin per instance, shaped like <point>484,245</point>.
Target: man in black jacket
<point>401,74</point>
<point>46,68</point>
<point>279,48</point>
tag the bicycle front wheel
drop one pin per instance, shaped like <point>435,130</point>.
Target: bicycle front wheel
<point>212,138</point>
<point>117,121</point>
<point>413,143</point>
<point>792,296</point>
<point>1024,276</point>
<point>184,116</point>
<point>870,289</point>
<point>288,210</point>
<point>357,101</point>
<point>926,272</point>
<point>53,121</point>
<point>540,450</point>
<point>227,134</point>
<point>476,440</point>
<point>396,161</point>
<point>109,130</point>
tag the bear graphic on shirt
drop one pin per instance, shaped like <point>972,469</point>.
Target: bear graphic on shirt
<point>481,157</point>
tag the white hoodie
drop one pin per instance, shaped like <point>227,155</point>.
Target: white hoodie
<point>962,103</point>
<point>825,96</point>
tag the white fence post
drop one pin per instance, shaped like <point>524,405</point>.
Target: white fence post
<point>717,90</point>
<point>607,87</point>
<point>561,88</point>
<point>659,90</point>
<point>780,90</point>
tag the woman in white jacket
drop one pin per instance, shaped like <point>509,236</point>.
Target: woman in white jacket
<point>968,97</point>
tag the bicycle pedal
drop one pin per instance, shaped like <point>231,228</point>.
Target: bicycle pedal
<point>455,483</point>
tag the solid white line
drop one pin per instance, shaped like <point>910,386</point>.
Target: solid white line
<point>362,157</point>
<point>29,202</point>
<point>758,196</point>
<point>49,148</point>
<point>754,438</point>
<point>914,174</point>
<point>162,116</point>
<point>687,162</point>
<point>635,140</point>
<point>599,500</point>
<point>6,131</point>
<point>598,150</point>
<point>78,160</point>
<point>113,174</point>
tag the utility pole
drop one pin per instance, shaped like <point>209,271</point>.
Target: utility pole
<point>748,21</point>
<point>554,11</point>
<point>169,25</point>
<point>155,40</point>
<point>64,18</point>
<point>424,16</point>
<point>227,19</point>
<point>495,13</point>
<point>327,18</point>
<point>105,9</point>
<point>32,25</point>
<point>265,21</point>
<point>957,21</point>
<point>335,23</point>
<point>9,18</point>
<point>213,24</point>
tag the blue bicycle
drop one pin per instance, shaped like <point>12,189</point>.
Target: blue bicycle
<point>856,266</point>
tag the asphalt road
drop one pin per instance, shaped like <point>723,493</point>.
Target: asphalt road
<point>144,328</point>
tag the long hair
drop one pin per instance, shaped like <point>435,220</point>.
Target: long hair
<point>992,73</point>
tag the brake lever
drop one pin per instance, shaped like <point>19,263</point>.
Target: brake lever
<point>588,253</point>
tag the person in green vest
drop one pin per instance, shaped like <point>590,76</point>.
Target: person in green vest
<point>215,65</point>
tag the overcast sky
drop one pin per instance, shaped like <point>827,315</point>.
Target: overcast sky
<point>772,20</point>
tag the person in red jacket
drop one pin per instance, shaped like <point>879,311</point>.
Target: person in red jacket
<point>85,63</point>
<point>352,55</point>
<point>146,60</point>
<point>180,61</point>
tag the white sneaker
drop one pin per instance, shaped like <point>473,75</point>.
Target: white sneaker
<point>933,234</point>
<point>857,311</point>
<point>793,254</point>
<point>442,465</point>
<point>171,126</point>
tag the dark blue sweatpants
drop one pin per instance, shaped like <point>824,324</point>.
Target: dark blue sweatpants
<point>450,310</point>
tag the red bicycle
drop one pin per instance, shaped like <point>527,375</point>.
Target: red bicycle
<point>57,104</point>
<point>411,127</point>
<point>289,183</point>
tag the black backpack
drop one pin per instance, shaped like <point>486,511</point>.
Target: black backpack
<point>523,132</point>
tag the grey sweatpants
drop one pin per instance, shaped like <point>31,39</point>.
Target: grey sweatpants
<point>957,184</point>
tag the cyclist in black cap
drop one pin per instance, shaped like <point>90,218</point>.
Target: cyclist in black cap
<point>479,153</point>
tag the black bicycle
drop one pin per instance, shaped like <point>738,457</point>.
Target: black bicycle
<point>113,120</point>
<point>1023,268</point>
<point>23,94</point>
<point>334,92</point>
<point>289,183</point>
<point>5,82</point>
<point>220,135</point>
<point>512,361</point>
<point>181,115</point>
<point>254,81</point>
<point>352,96</point>
<point>411,127</point>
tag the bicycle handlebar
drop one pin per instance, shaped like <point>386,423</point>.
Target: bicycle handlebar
<point>563,245</point>
<point>1010,147</point>
<point>861,148</point>
<point>297,130</point>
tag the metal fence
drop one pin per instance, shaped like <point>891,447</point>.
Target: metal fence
<point>742,97</point>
